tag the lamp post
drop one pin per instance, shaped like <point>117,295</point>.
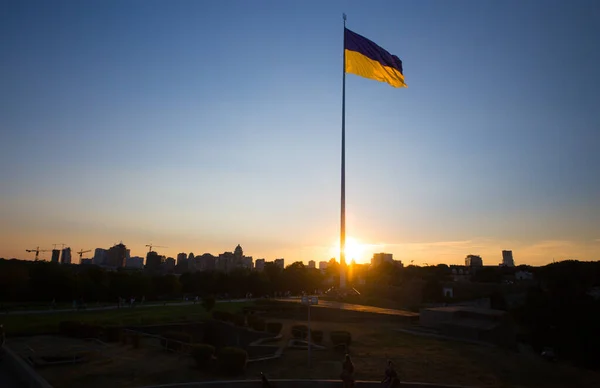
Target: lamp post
<point>308,301</point>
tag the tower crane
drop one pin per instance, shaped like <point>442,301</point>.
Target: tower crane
<point>81,252</point>
<point>37,251</point>
<point>54,245</point>
<point>156,246</point>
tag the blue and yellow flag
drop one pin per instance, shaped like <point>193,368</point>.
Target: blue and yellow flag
<point>368,60</point>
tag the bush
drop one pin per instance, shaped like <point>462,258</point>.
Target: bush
<point>202,354</point>
<point>274,327</point>
<point>340,337</point>
<point>136,340</point>
<point>239,320</point>
<point>300,331</point>
<point>251,318</point>
<point>232,361</point>
<point>112,333</point>
<point>175,340</point>
<point>208,303</point>
<point>223,316</point>
<point>69,328</point>
<point>316,336</point>
<point>258,324</point>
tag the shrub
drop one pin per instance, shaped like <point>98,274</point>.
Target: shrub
<point>258,324</point>
<point>208,303</point>
<point>239,320</point>
<point>274,327</point>
<point>340,337</point>
<point>69,328</point>
<point>222,316</point>
<point>232,361</point>
<point>112,333</point>
<point>300,331</point>
<point>123,337</point>
<point>175,340</point>
<point>251,318</point>
<point>316,336</point>
<point>87,330</point>
<point>136,340</point>
<point>202,354</point>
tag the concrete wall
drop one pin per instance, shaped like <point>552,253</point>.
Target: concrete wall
<point>26,375</point>
<point>297,384</point>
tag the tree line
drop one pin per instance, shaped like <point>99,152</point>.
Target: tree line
<point>42,281</point>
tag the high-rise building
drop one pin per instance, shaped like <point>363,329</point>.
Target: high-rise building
<point>207,262</point>
<point>135,262</point>
<point>238,252</point>
<point>116,256</point>
<point>169,264</point>
<point>154,261</point>
<point>380,258</point>
<point>247,262</point>
<point>507,259</point>
<point>55,255</point>
<point>259,264</point>
<point>473,261</point>
<point>99,256</point>
<point>280,263</point>
<point>66,256</point>
<point>323,265</point>
<point>311,264</point>
<point>182,259</point>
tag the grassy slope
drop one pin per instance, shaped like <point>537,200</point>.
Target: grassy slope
<point>48,323</point>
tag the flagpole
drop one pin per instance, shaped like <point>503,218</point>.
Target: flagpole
<point>343,183</point>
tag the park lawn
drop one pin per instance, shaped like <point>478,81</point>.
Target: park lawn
<point>32,324</point>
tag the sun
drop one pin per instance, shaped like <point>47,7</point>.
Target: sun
<point>355,250</point>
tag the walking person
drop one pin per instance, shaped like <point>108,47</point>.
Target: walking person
<point>348,372</point>
<point>2,335</point>
<point>391,379</point>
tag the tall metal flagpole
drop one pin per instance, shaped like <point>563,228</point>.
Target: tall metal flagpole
<point>343,197</point>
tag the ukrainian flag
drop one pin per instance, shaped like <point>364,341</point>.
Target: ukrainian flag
<point>366,59</point>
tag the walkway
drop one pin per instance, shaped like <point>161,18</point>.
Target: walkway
<point>114,307</point>
<point>357,307</point>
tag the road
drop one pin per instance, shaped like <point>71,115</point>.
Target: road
<point>114,307</point>
<point>357,307</point>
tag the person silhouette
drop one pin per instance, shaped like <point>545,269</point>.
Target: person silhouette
<point>348,372</point>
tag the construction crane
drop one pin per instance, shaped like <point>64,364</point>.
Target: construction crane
<point>81,252</point>
<point>37,251</point>
<point>54,245</point>
<point>155,246</point>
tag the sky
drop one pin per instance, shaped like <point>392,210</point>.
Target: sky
<point>200,125</point>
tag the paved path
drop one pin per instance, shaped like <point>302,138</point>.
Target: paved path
<point>7,379</point>
<point>115,307</point>
<point>357,307</point>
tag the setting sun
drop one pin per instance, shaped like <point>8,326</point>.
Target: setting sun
<point>355,250</point>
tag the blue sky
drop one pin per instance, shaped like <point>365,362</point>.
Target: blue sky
<point>200,125</point>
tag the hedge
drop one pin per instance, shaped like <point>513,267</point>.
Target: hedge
<point>300,331</point>
<point>258,324</point>
<point>202,354</point>
<point>274,327</point>
<point>112,333</point>
<point>222,316</point>
<point>79,329</point>
<point>340,337</point>
<point>239,320</point>
<point>208,303</point>
<point>232,361</point>
<point>316,336</point>
<point>175,340</point>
